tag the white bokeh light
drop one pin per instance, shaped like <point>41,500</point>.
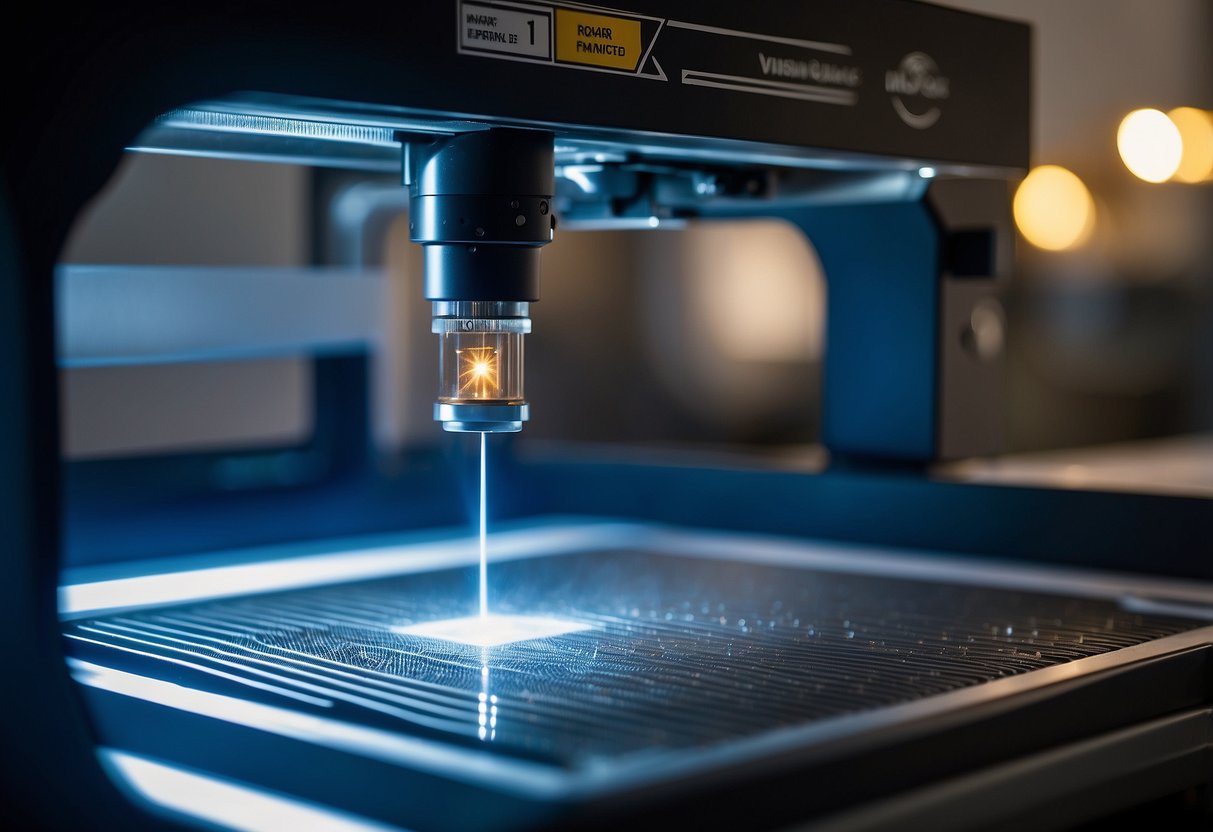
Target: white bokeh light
<point>1150,145</point>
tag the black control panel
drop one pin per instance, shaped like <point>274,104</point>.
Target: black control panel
<point>888,78</point>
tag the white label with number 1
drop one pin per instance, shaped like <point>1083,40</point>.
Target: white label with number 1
<point>493,29</point>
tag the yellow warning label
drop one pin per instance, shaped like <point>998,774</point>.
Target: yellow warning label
<point>597,40</point>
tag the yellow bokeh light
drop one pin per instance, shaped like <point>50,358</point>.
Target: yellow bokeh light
<point>1053,209</point>
<point>1149,145</point>
<point>1196,130</point>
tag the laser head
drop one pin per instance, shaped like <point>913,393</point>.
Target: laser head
<point>481,205</point>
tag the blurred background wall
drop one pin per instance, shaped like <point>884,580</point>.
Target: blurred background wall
<point>1114,339</point>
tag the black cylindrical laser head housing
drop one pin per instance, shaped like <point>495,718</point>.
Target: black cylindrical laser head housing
<point>481,205</point>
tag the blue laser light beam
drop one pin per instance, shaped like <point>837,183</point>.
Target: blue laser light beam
<point>484,535</point>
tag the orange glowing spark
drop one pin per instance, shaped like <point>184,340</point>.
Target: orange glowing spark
<point>477,372</point>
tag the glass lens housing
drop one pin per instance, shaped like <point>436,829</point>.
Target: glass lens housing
<point>480,367</point>
<point>480,354</point>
